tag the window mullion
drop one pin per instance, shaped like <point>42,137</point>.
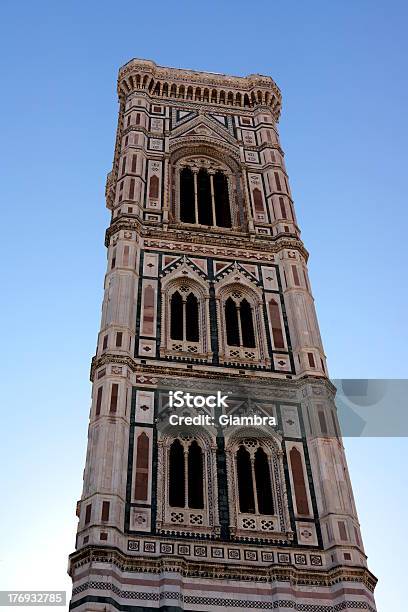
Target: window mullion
<point>184,320</point>
<point>213,199</point>
<point>239,325</point>
<point>195,195</point>
<point>186,478</point>
<point>254,487</point>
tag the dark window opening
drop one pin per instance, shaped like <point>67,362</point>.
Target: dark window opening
<point>176,317</point>
<point>283,208</point>
<point>245,486</point>
<point>187,199</point>
<point>192,327</point>
<point>195,476</point>
<point>247,325</point>
<point>310,357</point>
<point>263,483</point>
<point>222,209</point>
<point>258,202</point>
<point>231,320</point>
<point>204,198</point>
<point>105,511</point>
<point>114,397</point>
<point>99,401</point>
<point>88,510</point>
<point>177,477</point>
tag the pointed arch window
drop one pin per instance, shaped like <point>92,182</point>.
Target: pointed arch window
<point>176,480</point>
<point>187,196</point>
<point>205,213</point>
<point>204,197</point>
<point>186,483</point>
<point>239,323</point>
<point>254,480</point>
<point>222,209</point>
<point>245,485</point>
<point>195,476</point>
<point>184,317</point>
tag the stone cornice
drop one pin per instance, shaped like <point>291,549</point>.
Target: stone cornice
<point>273,573</point>
<point>198,77</point>
<point>181,238</point>
<point>141,74</point>
<point>164,370</point>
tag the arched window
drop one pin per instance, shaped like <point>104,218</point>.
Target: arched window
<point>302,504</point>
<point>187,196</point>
<point>184,317</point>
<point>195,476</point>
<point>254,480</point>
<point>191,496</point>
<point>205,216</point>
<point>176,317</point>
<point>263,483</point>
<point>239,323</point>
<point>231,320</point>
<point>204,198</point>
<point>245,485</point>
<point>142,467</point>
<point>192,327</point>
<point>177,482</point>
<point>222,209</point>
<point>247,324</point>
<point>277,332</point>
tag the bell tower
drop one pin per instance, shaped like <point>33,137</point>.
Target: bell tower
<point>207,294</point>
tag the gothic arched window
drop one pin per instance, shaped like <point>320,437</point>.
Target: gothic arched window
<point>176,471</point>
<point>245,485</point>
<point>187,196</point>
<point>232,325</point>
<point>184,317</point>
<point>176,317</point>
<point>195,476</point>
<point>192,327</point>
<point>239,323</point>
<point>204,197</point>
<point>222,209</point>
<point>184,472</point>
<point>263,482</point>
<point>254,480</point>
<point>205,212</point>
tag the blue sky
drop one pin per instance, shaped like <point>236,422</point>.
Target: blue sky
<point>341,67</point>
